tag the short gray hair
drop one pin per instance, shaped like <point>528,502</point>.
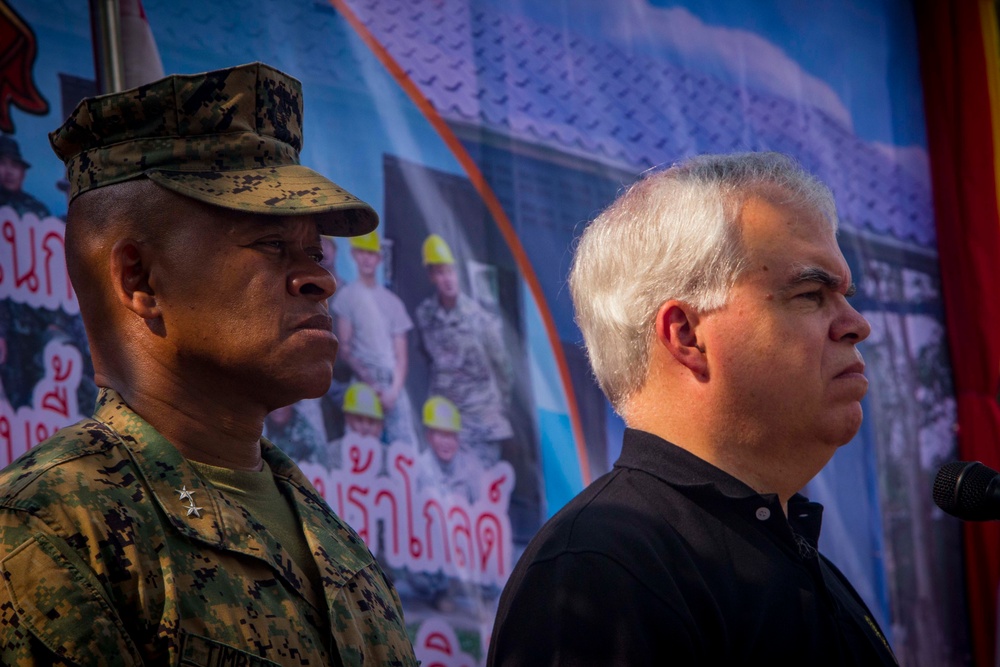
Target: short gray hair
<point>672,235</point>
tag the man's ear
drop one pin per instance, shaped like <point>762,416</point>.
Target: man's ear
<point>677,332</point>
<point>130,266</point>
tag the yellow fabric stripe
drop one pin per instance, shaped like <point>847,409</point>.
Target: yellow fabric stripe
<point>991,49</point>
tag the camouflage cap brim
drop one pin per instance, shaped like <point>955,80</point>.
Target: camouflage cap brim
<point>284,190</point>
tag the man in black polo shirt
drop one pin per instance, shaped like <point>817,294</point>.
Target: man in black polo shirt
<point>713,302</point>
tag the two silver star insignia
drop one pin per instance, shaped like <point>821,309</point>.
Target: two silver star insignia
<point>189,496</point>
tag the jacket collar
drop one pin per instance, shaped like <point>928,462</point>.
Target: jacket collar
<point>224,523</point>
<point>439,312</point>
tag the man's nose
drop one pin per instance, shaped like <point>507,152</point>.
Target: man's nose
<point>309,279</point>
<point>850,325</point>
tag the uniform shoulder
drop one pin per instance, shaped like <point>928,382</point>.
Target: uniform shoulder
<point>426,308</point>
<point>54,457</point>
<point>474,311</point>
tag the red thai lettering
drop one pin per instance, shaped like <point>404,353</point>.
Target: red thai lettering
<point>7,437</point>
<point>428,529</point>
<point>33,262</point>
<point>59,258</point>
<point>489,536</point>
<point>356,456</point>
<point>461,526</point>
<point>29,277</point>
<point>394,522</point>
<point>442,527</point>
<point>356,496</point>
<point>53,404</point>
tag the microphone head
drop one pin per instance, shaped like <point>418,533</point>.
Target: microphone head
<point>962,489</point>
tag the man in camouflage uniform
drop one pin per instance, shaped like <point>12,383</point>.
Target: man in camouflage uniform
<point>469,364</point>
<point>164,530</point>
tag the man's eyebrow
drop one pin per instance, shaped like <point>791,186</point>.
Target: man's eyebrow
<point>815,274</point>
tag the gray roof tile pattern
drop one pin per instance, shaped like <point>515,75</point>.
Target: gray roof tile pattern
<point>565,92</point>
<point>562,91</point>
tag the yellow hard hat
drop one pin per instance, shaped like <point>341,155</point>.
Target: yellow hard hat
<point>436,251</point>
<point>361,399</point>
<point>440,413</point>
<point>369,241</point>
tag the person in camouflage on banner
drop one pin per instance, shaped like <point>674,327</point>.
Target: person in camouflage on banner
<point>469,364</point>
<point>165,530</point>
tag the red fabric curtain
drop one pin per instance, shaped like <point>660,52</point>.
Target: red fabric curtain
<point>957,53</point>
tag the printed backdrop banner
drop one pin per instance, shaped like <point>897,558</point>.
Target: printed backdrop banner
<point>486,133</point>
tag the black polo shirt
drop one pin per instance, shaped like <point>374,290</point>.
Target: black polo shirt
<point>668,560</point>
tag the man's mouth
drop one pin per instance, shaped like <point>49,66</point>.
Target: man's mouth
<point>318,322</point>
<point>857,368</point>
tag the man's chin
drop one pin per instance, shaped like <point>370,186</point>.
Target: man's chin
<point>309,383</point>
<point>849,424</point>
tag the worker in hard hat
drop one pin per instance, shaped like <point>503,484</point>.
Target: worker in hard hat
<point>468,360</point>
<point>363,411</point>
<point>363,418</point>
<point>372,326</point>
<point>445,466</point>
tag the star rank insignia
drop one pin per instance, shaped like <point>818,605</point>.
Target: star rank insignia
<point>189,496</point>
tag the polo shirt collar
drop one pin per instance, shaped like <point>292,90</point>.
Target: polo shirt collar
<point>696,477</point>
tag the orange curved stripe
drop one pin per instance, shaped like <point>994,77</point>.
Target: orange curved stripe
<point>492,204</point>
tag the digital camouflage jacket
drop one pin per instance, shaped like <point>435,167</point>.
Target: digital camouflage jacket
<point>113,551</point>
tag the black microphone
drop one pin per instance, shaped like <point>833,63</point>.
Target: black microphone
<point>968,490</point>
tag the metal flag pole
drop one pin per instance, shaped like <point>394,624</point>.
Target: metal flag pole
<point>105,29</point>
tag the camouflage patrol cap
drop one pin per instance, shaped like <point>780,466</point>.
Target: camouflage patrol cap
<point>230,138</point>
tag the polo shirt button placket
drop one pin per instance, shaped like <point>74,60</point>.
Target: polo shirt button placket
<point>762,514</point>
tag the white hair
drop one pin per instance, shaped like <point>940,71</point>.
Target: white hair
<point>673,234</point>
